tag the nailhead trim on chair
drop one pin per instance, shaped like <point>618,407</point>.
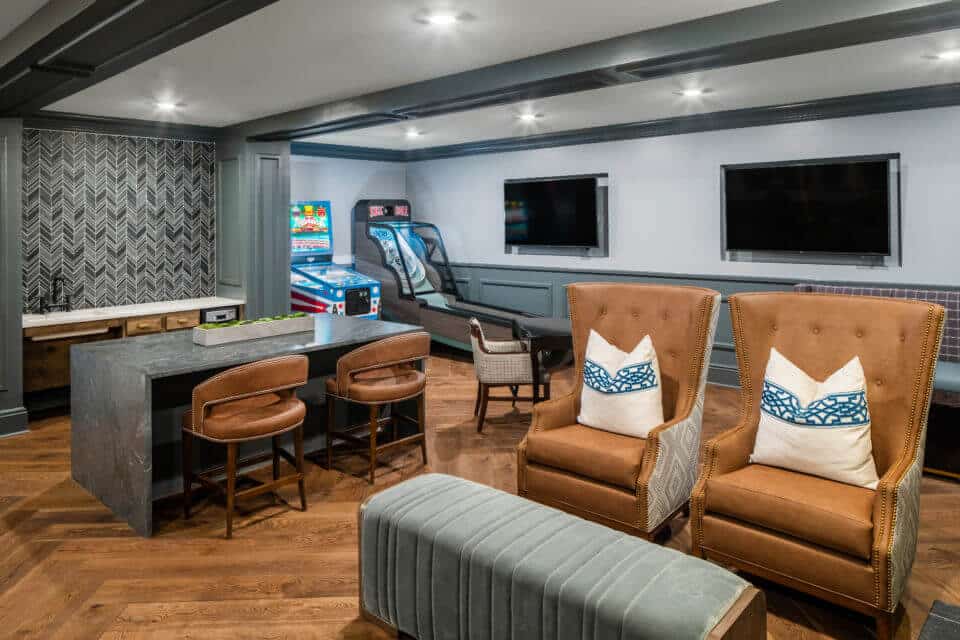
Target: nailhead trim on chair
<point>920,390</point>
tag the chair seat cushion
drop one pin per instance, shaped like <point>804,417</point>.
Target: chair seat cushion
<point>820,511</point>
<point>382,385</point>
<point>250,418</point>
<point>591,453</point>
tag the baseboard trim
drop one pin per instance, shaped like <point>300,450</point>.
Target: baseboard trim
<point>13,421</point>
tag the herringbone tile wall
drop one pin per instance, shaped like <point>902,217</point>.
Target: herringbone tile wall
<point>124,220</point>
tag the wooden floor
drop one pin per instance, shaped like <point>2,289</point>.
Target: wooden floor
<point>68,569</point>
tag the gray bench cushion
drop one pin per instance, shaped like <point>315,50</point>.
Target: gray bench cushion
<point>443,557</point>
<point>948,376</point>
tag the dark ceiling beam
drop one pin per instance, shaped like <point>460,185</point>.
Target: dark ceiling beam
<point>935,96</point>
<point>930,97</point>
<point>106,38</point>
<point>774,30</point>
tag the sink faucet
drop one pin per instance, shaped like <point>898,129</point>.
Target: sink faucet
<point>57,300</point>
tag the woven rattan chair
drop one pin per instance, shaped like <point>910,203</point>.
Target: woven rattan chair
<point>501,363</point>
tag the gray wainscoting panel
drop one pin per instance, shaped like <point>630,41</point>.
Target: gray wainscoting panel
<point>13,417</point>
<point>122,219</point>
<point>532,297</point>
<point>229,224</point>
<point>543,292</point>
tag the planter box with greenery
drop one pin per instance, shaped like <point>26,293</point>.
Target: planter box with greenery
<point>215,333</point>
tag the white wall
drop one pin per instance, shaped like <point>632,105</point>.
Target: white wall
<point>343,182</point>
<point>665,195</point>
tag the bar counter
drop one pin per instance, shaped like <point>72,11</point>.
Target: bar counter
<point>128,396</point>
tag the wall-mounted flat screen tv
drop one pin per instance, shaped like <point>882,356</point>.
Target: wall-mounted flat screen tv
<point>558,212</point>
<point>834,206</point>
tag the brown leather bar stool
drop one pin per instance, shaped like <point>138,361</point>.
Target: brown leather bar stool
<point>378,375</point>
<point>249,402</point>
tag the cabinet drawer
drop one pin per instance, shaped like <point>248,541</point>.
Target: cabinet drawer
<point>184,320</point>
<point>140,326</point>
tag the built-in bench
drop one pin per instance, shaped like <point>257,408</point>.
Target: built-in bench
<point>443,557</point>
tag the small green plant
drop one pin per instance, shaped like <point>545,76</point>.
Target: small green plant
<point>240,323</point>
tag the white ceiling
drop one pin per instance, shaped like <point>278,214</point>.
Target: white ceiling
<point>299,53</point>
<point>14,12</point>
<point>893,64</point>
<point>24,22</point>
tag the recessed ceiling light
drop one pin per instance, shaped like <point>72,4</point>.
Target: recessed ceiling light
<point>166,105</point>
<point>953,54</point>
<point>441,19</point>
<point>413,133</point>
<point>693,92</point>
<point>530,117</point>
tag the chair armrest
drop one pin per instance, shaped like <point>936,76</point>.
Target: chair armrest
<point>408,347</point>
<point>723,453</point>
<point>246,381</point>
<point>896,523</point>
<point>729,450</point>
<point>506,346</point>
<point>559,412</point>
<point>503,368</point>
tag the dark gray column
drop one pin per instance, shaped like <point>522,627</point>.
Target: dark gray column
<point>13,417</point>
<point>253,227</point>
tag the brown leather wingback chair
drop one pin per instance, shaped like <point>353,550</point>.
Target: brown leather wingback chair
<point>250,402</point>
<point>848,545</point>
<point>633,484</point>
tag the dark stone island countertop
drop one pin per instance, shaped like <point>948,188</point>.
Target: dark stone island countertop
<point>174,353</point>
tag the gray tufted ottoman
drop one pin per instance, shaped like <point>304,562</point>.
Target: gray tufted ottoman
<point>445,558</point>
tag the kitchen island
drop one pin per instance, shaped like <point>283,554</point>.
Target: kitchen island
<point>127,398</point>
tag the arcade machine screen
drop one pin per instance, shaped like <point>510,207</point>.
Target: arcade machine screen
<point>310,229</point>
<point>316,284</point>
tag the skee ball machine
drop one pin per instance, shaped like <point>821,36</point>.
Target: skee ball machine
<point>317,285</point>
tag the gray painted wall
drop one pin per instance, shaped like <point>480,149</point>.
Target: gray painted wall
<point>665,196</point>
<point>343,182</point>
<point>13,417</point>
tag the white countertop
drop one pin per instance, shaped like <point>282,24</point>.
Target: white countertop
<point>31,320</point>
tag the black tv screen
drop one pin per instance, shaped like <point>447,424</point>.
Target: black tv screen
<point>838,207</point>
<point>551,212</point>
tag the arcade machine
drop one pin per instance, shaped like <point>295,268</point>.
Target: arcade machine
<point>418,286</point>
<point>316,284</point>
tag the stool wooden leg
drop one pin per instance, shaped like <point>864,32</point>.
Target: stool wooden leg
<point>395,420</point>
<point>187,450</point>
<point>331,417</point>
<point>422,423</point>
<point>276,457</point>
<point>298,455</point>
<point>374,424</point>
<point>231,484</point>
<point>275,443</point>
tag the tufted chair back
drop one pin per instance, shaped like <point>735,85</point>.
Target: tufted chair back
<point>896,340</point>
<point>676,318</point>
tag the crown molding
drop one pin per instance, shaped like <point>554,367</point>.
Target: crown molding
<point>58,121</point>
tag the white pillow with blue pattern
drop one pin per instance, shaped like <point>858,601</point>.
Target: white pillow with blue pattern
<point>621,391</point>
<point>818,428</point>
